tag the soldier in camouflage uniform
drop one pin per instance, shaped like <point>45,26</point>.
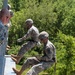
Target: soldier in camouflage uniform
<point>4,18</point>
<point>32,33</point>
<point>7,27</point>
<point>7,30</point>
<point>44,62</point>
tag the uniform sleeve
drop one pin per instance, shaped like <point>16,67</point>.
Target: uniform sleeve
<point>27,35</point>
<point>54,54</point>
<point>49,54</point>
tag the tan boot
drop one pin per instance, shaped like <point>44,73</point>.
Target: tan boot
<point>12,55</point>
<point>16,60</point>
<point>16,71</point>
<point>8,46</point>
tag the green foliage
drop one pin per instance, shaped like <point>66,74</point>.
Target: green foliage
<point>1,3</point>
<point>57,17</point>
<point>66,18</point>
<point>17,28</point>
<point>67,54</point>
<point>14,49</point>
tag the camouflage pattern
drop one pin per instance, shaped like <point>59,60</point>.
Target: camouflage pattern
<point>7,32</point>
<point>33,35</point>
<point>49,52</point>
<point>25,47</point>
<point>45,61</point>
<point>6,39</point>
<point>2,39</point>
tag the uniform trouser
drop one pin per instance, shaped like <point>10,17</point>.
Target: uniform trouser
<point>25,47</point>
<point>5,45</point>
<point>37,66</point>
<point>2,49</point>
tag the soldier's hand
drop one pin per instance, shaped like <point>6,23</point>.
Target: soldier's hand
<point>38,44</point>
<point>19,40</point>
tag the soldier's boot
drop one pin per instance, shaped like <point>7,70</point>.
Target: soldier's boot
<point>8,46</point>
<point>16,71</point>
<point>15,56</point>
<point>16,59</point>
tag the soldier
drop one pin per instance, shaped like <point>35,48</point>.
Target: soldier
<point>8,6</point>
<point>7,27</point>
<point>32,33</point>
<point>44,62</point>
<point>7,30</point>
<point>4,19</point>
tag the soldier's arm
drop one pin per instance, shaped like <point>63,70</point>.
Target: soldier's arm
<point>49,55</point>
<point>54,54</point>
<point>25,36</point>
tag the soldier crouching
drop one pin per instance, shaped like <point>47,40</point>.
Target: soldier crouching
<point>33,34</point>
<point>44,62</point>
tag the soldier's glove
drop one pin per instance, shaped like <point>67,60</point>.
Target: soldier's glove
<point>19,40</point>
<point>38,44</point>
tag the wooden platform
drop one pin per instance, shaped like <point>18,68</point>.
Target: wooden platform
<point>9,64</point>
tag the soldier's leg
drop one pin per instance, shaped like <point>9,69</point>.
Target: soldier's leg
<point>29,62</point>
<point>36,69</point>
<point>24,48</point>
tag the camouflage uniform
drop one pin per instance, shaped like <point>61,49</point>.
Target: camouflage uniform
<point>2,39</point>
<point>33,35</point>
<point>6,39</point>
<point>6,29</point>
<point>7,32</point>
<point>46,61</point>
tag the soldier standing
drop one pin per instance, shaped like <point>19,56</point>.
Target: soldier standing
<point>32,33</point>
<point>8,26</point>
<point>44,62</point>
<point>4,19</point>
